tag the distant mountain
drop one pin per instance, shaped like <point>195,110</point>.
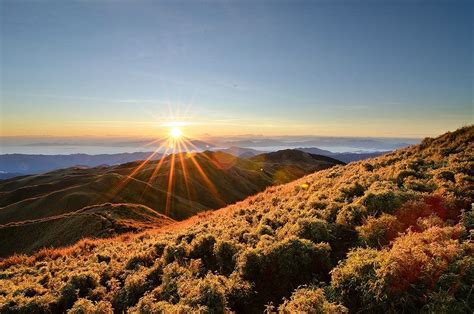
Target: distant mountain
<point>241,151</point>
<point>200,182</point>
<point>375,144</point>
<point>345,157</point>
<point>18,164</point>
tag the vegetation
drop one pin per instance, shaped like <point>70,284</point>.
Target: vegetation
<point>354,238</point>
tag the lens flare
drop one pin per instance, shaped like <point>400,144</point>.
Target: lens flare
<point>176,133</point>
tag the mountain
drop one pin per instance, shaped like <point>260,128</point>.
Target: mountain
<point>375,144</point>
<point>200,182</point>
<point>392,233</point>
<point>241,151</point>
<point>18,164</point>
<point>345,157</point>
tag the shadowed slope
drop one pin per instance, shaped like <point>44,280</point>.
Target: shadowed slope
<point>97,221</point>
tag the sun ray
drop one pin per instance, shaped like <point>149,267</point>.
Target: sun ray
<point>111,194</point>
<point>206,179</point>
<point>185,173</point>
<point>170,181</point>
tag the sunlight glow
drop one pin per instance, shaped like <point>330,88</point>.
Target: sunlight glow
<point>176,133</point>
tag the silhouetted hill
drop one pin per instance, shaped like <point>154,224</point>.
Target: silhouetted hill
<point>388,234</point>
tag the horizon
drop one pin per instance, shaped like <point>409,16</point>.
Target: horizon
<point>359,68</point>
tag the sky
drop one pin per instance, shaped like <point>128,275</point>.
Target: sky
<point>336,68</point>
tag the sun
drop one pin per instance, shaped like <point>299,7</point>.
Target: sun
<point>176,133</point>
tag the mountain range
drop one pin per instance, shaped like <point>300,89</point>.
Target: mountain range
<point>12,165</point>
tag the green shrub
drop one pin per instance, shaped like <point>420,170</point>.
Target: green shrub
<point>84,306</point>
<point>313,229</point>
<point>403,175</point>
<point>377,232</point>
<point>172,275</point>
<point>225,253</point>
<point>209,292</point>
<point>78,286</point>
<point>135,286</point>
<point>355,190</point>
<point>306,300</point>
<point>386,202</point>
<point>278,269</point>
<point>398,279</point>
<point>350,216</point>
<point>145,259</point>
<point>202,247</point>
<point>174,253</point>
<point>150,305</point>
<point>447,176</point>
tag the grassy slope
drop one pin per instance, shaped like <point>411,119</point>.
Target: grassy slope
<point>97,221</point>
<point>261,249</point>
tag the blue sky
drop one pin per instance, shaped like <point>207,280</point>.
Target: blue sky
<point>368,68</point>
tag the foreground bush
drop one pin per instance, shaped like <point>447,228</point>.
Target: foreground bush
<point>314,301</point>
<point>278,269</point>
<point>408,276</point>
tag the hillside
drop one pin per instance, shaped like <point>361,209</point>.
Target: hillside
<point>97,221</point>
<point>201,182</point>
<point>389,234</point>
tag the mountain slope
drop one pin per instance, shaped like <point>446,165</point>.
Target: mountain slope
<point>97,221</point>
<point>387,234</point>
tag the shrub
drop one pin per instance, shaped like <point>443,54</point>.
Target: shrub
<point>240,293</point>
<point>350,216</point>
<point>225,253</point>
<point>313,229</point>
<point>399,279</point>
<point>150,305</point>
<point>355,190</point>
<point>209,292</point>
<point>278,269</point>
<point>78,286</point>
<point>135,286</point>
<point>403,175</point>
<point>377,232</point>
<point>84,306</point>
<point>172,274</point>
<point>306,300</point>
<point>203,248</point>
<point>142,259</point>
<point>174,253</point>
<point>386,202</point>
<point>447,176</point>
